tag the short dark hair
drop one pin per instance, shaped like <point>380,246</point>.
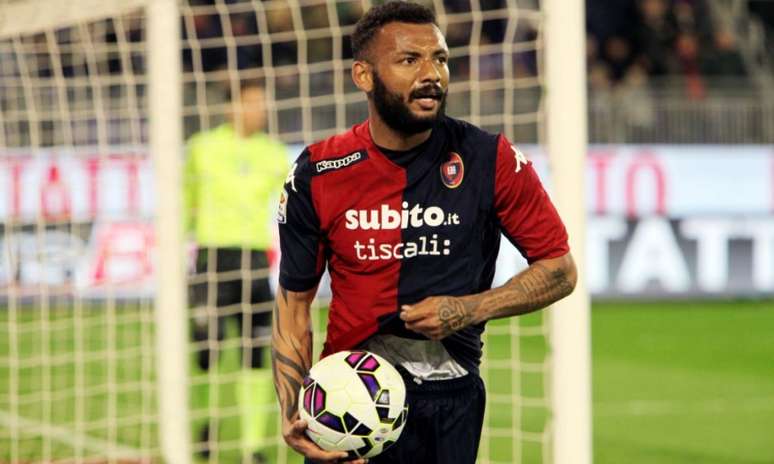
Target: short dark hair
<point>381,15</point>
<point>244,84</point>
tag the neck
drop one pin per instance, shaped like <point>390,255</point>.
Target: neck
<point>243,132</point>
<point>387,137</point>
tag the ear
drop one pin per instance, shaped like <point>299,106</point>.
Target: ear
<point>362,76</point>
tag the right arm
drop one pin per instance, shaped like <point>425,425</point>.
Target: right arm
<point>291,347</point>
<point>301,266</point>
<point>291,356</point>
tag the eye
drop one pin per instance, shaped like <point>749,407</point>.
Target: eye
<point>443,59</point>
<point>409,60</point>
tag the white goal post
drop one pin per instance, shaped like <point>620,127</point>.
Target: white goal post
<point>566,133</point>
<point>19,18</point>
<point>166,134</point>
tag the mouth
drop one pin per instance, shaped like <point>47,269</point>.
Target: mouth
<point>427,98</point>
<point>427,103</point>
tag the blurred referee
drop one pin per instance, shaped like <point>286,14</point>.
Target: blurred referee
<point>233,174</point>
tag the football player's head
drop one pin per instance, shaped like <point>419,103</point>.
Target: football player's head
<point>401,62</point>
<point>248,109</point>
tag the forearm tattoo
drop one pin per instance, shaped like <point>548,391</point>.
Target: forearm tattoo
<point>536,287</point>
<point>454,314</point>
<point>290,361</point>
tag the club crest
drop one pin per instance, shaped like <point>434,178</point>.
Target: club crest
<point>452,171</point>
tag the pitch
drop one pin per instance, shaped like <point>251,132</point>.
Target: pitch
<point>673,383</point>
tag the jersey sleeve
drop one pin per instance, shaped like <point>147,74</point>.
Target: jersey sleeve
<point>524,211</point>
<point>302,261</point>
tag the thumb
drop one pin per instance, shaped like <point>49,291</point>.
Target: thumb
<point>298,427</point>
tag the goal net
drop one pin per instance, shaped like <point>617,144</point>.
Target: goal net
<point>76,350</point>
<point>78,205</point>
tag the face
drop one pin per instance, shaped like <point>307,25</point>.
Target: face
<point>251,112</point>
<point>409,76</point>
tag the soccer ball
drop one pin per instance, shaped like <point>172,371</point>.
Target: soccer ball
<point>353,401</point>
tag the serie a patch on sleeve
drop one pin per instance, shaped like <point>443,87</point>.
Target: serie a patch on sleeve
<point>282,208</point>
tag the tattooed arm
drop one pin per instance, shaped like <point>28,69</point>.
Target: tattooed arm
<point>291,356</point>
<point>541,284</point>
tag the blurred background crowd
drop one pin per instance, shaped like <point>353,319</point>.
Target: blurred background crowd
<point>628,41</point>
<point>659,71</point>
<point>650,62</point>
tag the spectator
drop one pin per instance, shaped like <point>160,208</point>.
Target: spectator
<point>724,59</point>
<point>687,46</point>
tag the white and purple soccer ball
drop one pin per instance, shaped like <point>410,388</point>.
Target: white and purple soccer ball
<point>353,401</point>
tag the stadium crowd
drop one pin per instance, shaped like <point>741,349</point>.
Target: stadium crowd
<point>628,42</point>
<point>632,41</point>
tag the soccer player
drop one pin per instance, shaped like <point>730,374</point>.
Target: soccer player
<point>233,175</point>
<point>406,211</point>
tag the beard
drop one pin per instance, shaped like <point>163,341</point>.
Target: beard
<point>397,114</point>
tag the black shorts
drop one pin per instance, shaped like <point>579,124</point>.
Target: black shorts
<point>444,423</point>
<point>231,288</point>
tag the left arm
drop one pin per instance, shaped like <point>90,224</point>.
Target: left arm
<point>542,283</point>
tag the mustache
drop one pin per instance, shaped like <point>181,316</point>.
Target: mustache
<point>430,91</point>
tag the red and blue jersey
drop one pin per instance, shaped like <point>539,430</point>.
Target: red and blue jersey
<point>393,234</point>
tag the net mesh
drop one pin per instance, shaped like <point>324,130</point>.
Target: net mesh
<point>76,358</point>
<point>76,289</point>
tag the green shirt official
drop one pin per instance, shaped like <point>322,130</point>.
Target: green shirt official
<point>231,187</point>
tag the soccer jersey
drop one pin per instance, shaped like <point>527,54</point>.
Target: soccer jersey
<point>395,234</point>
<point>230,184</point>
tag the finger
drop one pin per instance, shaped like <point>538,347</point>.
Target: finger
<point>310,450</point>
<point>298,427</point>
<point>405,310</point>
<point>410,314</point>
<point>315,453</point>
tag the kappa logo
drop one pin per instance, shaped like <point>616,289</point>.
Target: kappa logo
<point>291,178</point>
<point>520,158</point>
<point>339,163</point>
<point>453,171</point>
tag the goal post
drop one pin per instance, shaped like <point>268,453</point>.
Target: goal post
<point>165,136</point>
<point>94,361</point>
<point>566,134</point>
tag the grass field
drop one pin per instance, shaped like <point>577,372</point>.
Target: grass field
<point>688,382</point>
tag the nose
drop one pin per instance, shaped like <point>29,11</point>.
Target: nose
<point>429,72</point>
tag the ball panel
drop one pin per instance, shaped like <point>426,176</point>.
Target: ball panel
<point>331,421</point>
<point>383,398</point>
<point>349,422</point>
<point>319,399</point>
<point>355,357</point>
<point>371,384</point>
<point>362,430</point>
<point>369,364</point>
<point>308,400</point>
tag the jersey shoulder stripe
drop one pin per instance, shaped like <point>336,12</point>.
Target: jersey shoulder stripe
<point>338,146</point>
